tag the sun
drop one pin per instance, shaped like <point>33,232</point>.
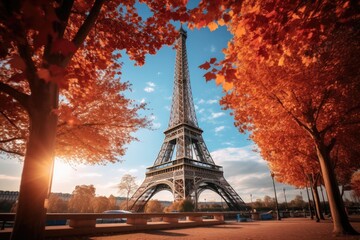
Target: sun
<point>62,171</point>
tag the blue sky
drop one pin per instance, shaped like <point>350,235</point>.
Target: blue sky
<point>152,83</point>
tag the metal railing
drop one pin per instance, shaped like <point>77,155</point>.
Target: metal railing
<point>89,224</point>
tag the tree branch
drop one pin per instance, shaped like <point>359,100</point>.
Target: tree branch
<point>292,115</point>
<point>88,145</point>
<point>85,28</point>
<point>89,125</point>
<point>11,139</point>
<point>26,54</point>
<point>22,98</point>
<point>322,102</point>
<point>63,13</point>
<point>88,23</point>
<point>12,152</point>
<point>9,120</point>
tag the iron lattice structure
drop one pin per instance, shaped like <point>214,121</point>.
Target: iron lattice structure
<point>184,165</point>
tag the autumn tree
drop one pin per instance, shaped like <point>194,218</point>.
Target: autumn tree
<point>154,206</point>
<point>184,205</point>
<point>113,203</point>
<point>56,47</point>
<point>56,204</point>
<point>355,183</point>
<point>294,62</point>
<point>258,203</point>
<point>289,152</point>
<point>80,201</point>
<point>297,202</point>
<point>100,204</point>
<point>268,201</point>
<point>127,186</point>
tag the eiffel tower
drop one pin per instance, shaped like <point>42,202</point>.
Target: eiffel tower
<point>184,165</point>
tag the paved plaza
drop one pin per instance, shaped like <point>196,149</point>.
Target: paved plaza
<point>292,229</point>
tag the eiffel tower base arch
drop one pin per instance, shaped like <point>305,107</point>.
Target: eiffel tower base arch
<point>186,180</point>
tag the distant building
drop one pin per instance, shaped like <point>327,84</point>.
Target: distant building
<point>10,196</point>
<point>63,196</point>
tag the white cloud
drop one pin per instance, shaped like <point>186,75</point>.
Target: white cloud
<point>212,101</point>
<point>151,84</point>
<point>143,100</point>
<point>201,110</point>
<point>196,107</point>
<point>7,177</point>
<point>245,171</point>
<point>220,128</point>
<point>154,125</point>
<point>212,48</point>
<point>129,171</point>
<point>149,89</point>
<point>216,115</point>
<point>159,73</point>
<point>90,174</point>
<point>167,108</point>
<point>133,170</point>
<point>237,154</point>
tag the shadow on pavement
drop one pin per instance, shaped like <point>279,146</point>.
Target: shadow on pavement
<point>71,238</point>
<point>170,234</point>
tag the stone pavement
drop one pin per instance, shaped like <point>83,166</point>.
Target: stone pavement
<point>289,228</point>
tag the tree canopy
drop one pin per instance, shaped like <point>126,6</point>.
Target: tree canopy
<point>57,58</point>
<point>59,43</point>
<point>154,206</point>
<point>290,74</point>
<point>355,183</point>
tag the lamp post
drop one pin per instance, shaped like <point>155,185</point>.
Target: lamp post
<point>285,199</point>
<point>309,203</point>
<point>302,204</point>
<point>323,200</point>
<point>276,201</point>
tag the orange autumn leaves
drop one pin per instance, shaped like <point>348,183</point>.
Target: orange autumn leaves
<point>290,67</point>
<point>219,78</point>
<point>77,45</point>
<point>355,183</point>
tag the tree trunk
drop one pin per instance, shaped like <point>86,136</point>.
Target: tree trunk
<point>36,175</point>
<point>341,222</point>
<point>323,198</point>
<point>127,202</point>
<point>317,218</point>
<point>317,202</point>
<point>342,191</point>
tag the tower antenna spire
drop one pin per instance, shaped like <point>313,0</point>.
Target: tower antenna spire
<point>184,165</point>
